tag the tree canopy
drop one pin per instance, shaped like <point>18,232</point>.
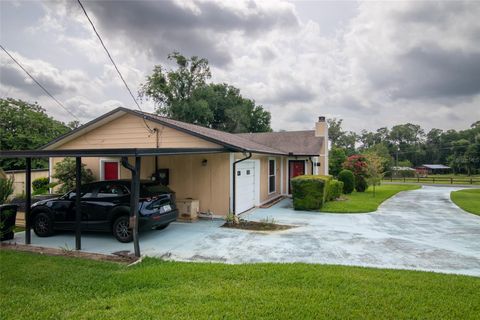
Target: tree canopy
<point>26,126</point>
<point>410,145</point>
<point>184,94</point>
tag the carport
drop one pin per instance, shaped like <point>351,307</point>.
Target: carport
<point>78,154</point>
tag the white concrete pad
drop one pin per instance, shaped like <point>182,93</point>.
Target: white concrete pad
<point>420,229</point>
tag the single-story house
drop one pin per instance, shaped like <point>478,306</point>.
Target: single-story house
<point>426,169</point>
<point>225,172</point>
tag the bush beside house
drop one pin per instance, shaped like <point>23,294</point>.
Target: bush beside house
<point>348,179</point>
<point>334,190</point>
<point>310,192</point>
<point>358,164</point>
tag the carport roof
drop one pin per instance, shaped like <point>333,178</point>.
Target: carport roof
<point>124,152</point>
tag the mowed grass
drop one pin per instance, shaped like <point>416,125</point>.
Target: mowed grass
<point>43,287</point>
<point>467,199</point>
<point>359,202</point>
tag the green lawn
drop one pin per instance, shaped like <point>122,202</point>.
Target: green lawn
<point>358,202</point>
<point>43,287</point>
<point>467,199</point>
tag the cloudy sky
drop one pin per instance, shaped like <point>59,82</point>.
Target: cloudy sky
<point>373,64</point>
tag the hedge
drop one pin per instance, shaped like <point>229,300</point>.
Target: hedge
<point>348,179</point>
<point>334,190</point>
<point>309,192</point>
<point>361,183</point>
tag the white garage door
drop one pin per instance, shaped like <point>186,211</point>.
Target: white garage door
<point>245,186</point>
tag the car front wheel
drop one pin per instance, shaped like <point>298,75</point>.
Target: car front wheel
<point>121,229</point>
<point>43,225</point>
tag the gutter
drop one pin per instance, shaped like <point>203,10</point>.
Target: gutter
<point>234,171</point>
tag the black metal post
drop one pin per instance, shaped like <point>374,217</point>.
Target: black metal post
<point>134,199</point>
<point>78,208</point>
<point>28,200</point>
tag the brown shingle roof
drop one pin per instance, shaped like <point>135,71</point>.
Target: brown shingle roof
<point>224,138</point>
<point>278,143</point>
<point>297,142</point>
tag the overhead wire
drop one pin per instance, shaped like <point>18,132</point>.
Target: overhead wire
<point>39,84</point>
<point>114,64</point>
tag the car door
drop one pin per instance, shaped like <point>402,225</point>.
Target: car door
<point>108,196</point>
<point>64,208</point>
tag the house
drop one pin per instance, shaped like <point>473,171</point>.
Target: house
<point>426,169</point>
<point>225,172</point>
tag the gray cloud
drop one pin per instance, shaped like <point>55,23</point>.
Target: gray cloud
<point>164,26</point>
<point>13,76</point>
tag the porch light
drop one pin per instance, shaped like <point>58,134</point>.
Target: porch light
<point>204,162</point>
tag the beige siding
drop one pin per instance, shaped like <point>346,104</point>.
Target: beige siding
<point>129,131</point>
<point>188,177</point>
<point>19,179</point>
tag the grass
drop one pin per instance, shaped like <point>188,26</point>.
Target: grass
<point>44,287</point>
<point>467,199</point>
<point>359,202</point>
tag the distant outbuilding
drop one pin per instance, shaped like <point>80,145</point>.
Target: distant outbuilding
<point>426,169</point>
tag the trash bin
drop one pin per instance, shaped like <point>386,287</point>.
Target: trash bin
<point>8,214</point>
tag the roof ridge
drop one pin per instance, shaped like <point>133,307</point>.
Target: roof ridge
<point>166,119</point>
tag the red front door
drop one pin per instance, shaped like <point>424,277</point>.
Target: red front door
<point>296,168</point>
<point>110,170</point>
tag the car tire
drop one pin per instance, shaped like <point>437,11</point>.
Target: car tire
<point>163,226</point>
<point>43,225</point>
<point>121,230</point>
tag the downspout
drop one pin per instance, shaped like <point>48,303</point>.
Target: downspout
<point>311,161</point>
<point>156,156</point>
<point>234,172</point>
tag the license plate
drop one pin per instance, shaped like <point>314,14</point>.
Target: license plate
<point>166,208</point>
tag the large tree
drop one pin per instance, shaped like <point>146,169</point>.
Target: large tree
<point>184,94</point>
<point>26,126</point>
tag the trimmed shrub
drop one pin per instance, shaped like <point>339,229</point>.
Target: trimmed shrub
<point>334,190</point>
<point>40,184</point>
<point>309,192</point>
<point>348,179</point>
<point>361,184</point>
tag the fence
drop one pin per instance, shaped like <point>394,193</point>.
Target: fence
<point>437,180</point>
<point>19,178</point>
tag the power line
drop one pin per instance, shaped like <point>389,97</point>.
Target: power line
<point>109,56</point>
<point>114,64</point>
<point>38,83</point>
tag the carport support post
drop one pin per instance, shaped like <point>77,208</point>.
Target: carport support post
<point>78,208</point>
<point>134,199</point>
<point>28,200</point>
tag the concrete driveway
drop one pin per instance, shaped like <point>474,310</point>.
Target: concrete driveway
<point>420,230</point>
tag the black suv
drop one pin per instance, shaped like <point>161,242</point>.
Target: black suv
<point>106,207</point>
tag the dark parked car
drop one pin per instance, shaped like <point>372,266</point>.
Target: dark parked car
<point>106,207</point>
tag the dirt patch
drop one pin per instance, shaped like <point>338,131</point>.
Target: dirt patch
<point>121,257</point>
<point>257,226</point>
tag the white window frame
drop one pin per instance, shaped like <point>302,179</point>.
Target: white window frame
<point>102,167</point>
<point>274,175</point>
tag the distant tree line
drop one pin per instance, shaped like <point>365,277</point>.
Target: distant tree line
<point>408,145</point>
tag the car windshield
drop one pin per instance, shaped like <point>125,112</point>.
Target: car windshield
<point>153,189</point>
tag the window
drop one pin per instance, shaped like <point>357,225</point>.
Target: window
<point>271,175</point>
<point>85,191</point>
<point>112,190</point>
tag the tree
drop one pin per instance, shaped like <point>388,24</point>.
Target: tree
<point>335,130</point>
<point>374,170</point>
<point>184,94</point>
<point>65,172</point>
<point>336,158</point>
<point>26,126</point>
